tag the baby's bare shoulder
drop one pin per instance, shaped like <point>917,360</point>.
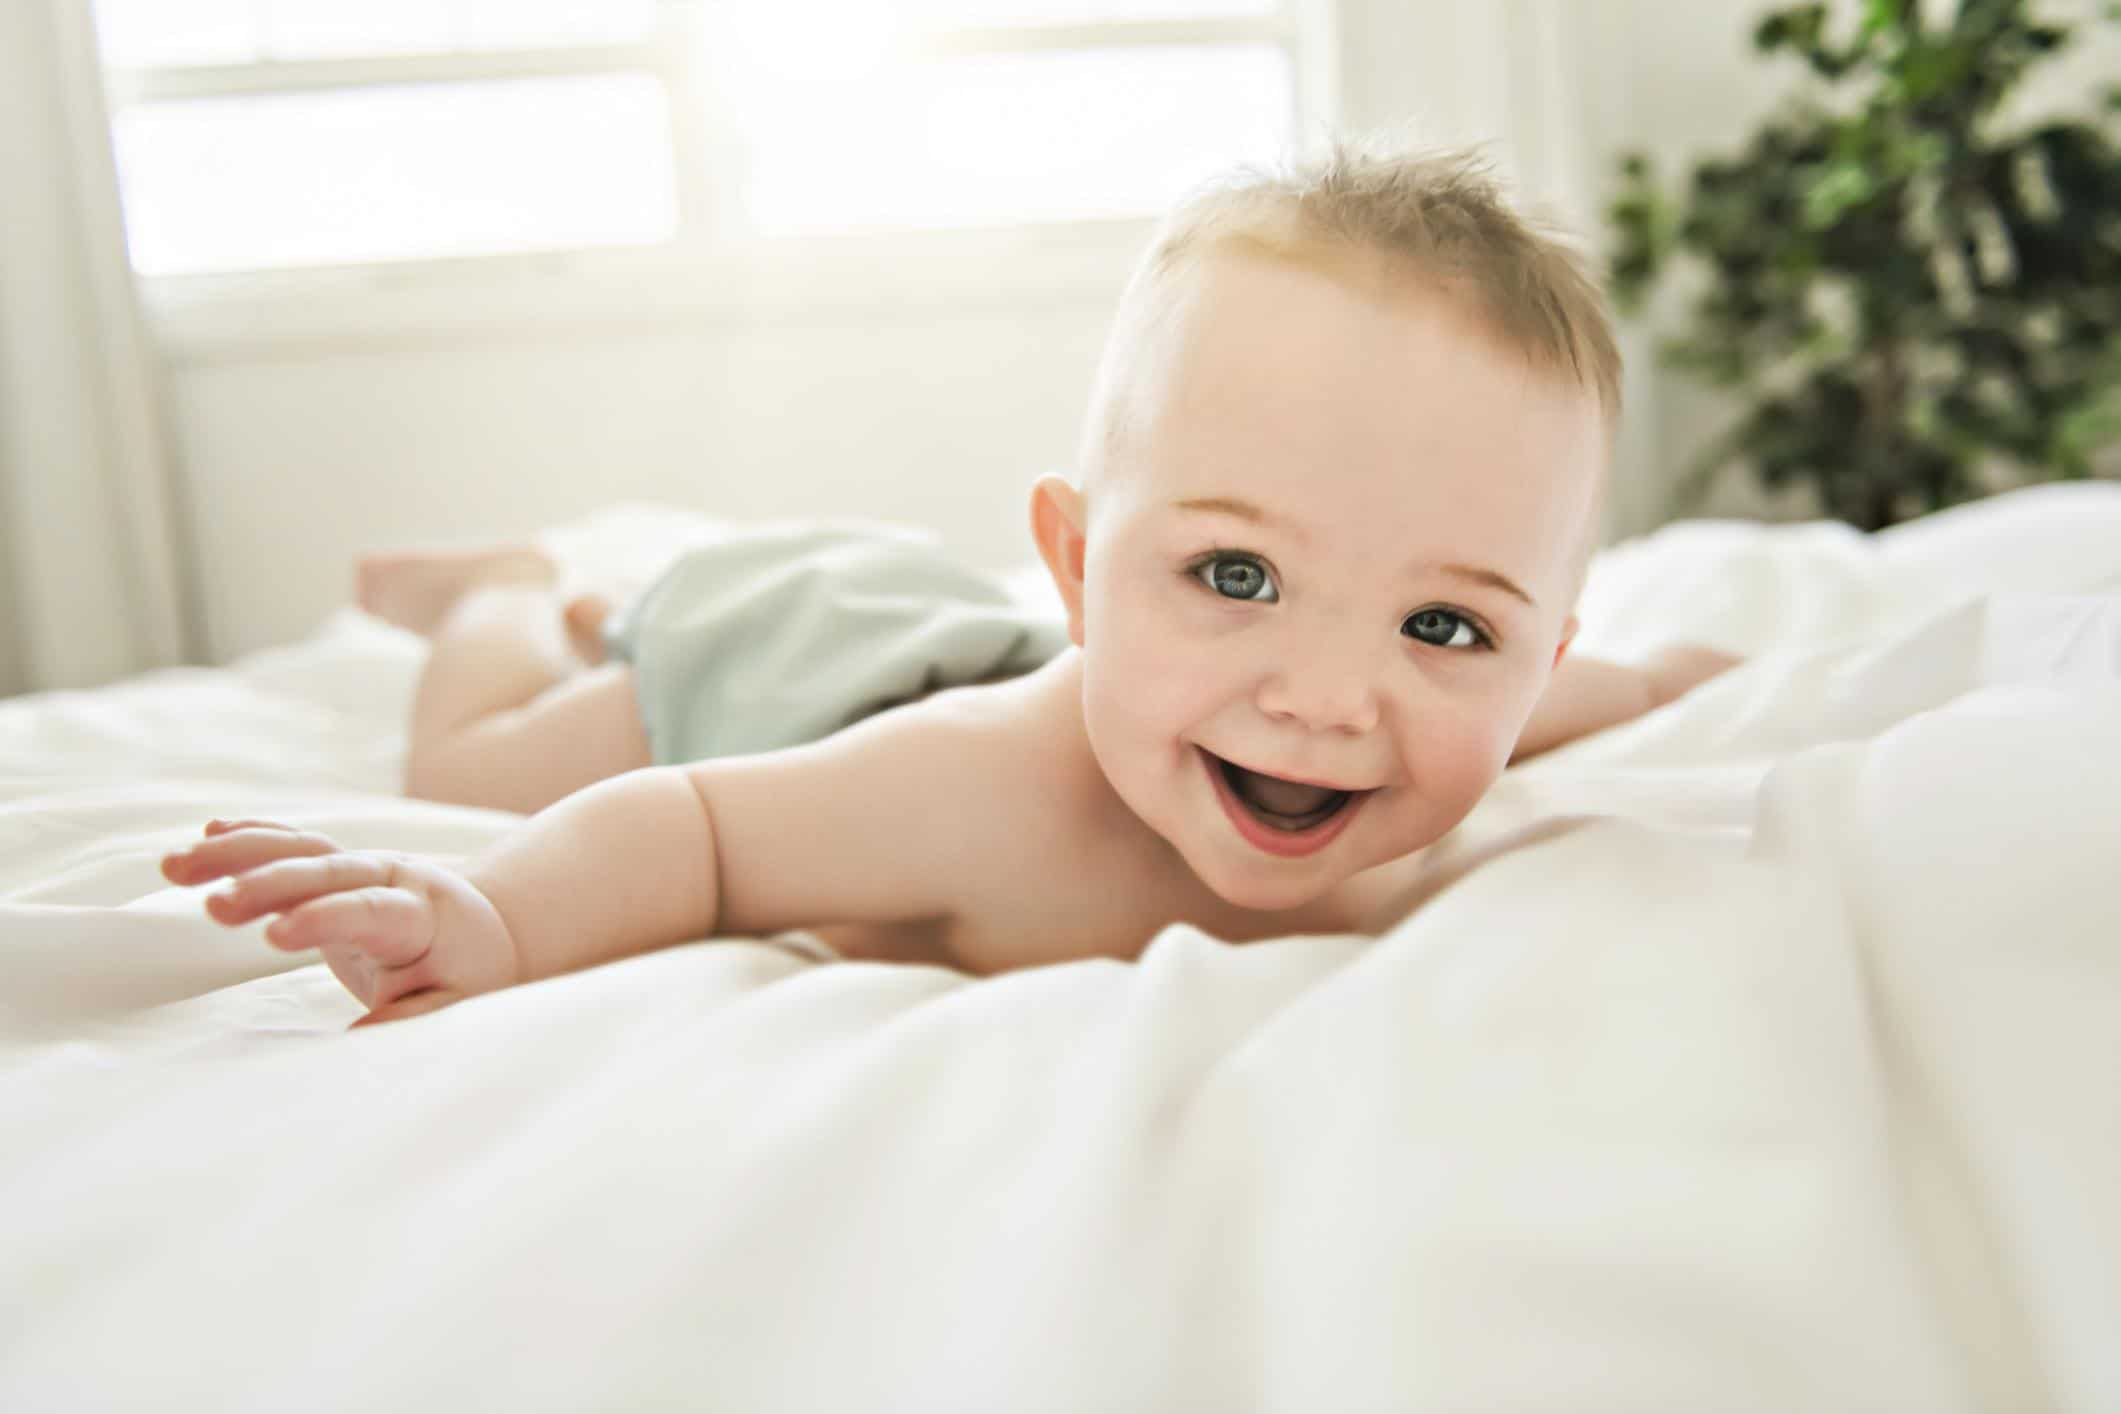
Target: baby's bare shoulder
<point>1060,868</point>
<point>1021,758</point>
<point>905,816</point>
<point>1024,727</point>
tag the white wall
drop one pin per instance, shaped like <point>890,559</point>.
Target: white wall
<point>298,452</point>
<point>298,462</point>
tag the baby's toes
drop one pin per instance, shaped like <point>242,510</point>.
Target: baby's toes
<point>585,616</point>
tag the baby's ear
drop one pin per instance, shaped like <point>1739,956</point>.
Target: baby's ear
<point>1057,525</point>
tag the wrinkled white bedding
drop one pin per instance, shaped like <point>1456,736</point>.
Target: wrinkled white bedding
<point>1789,1083</point>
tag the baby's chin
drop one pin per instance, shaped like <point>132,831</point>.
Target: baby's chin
<point>1275,887</point>
<point>1269,891</point>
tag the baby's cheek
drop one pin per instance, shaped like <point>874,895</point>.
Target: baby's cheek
<point>1460,760</point>
<point>1137,701</point>
<point>1139,657</point>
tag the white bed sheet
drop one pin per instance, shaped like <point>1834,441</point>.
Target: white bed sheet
<point>1787,1082</point>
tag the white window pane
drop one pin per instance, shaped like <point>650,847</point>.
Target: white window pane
<point>996,139</point>
<point>753,43</point>
<point>143,33</point>
<point>310,29</point>
<point>527,24</point>
<point>396,173</point>
<point>149,33</point>
<point>324,29</point>
<point>1083,12</point>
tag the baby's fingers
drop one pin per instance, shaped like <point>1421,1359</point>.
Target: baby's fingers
<point>237,848</point>
<point>288,883</point>
<point>392,927</point>
<point>411,1004</point>
<point>222,827</point>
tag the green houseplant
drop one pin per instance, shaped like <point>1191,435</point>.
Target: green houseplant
<point>1916,306</point>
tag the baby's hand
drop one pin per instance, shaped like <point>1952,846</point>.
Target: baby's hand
<point>1681,668</point>
<point>404,935</point>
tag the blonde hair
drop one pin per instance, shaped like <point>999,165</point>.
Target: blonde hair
<point>1437,216</point>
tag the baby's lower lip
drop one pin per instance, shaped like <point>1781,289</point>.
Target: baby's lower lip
<point>1289,844</point>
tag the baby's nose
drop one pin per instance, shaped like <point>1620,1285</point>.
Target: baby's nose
<point>1324,690</point>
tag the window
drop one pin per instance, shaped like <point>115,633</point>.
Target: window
<point>255,135</point>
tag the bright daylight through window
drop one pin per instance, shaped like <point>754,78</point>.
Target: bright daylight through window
<point>261,134</point>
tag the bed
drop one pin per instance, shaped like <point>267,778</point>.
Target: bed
<point>1785,1079</point>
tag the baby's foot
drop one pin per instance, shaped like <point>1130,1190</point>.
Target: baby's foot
<point>585,614</point>
<point>415,589</point>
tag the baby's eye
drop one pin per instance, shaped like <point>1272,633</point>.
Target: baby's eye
<point>1238,577</point>
<point>1444,628</point>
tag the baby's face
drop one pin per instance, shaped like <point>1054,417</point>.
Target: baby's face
<point>1326,575</point>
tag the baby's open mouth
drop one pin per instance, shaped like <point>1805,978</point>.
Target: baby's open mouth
<point>1280,804</point>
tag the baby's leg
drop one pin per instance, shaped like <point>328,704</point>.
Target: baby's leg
<point>417,589</point>
<point>513,710</point>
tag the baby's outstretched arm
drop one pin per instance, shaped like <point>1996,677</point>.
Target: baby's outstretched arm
<point>844,830</point>
<point>404,934</point>
<point>621,867</point>
<point>1588,694</point>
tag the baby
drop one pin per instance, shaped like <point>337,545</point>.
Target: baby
<point>1339,485</point>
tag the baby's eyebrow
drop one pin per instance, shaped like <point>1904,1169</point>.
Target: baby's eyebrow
<point>1245,510</point>
<point>1232,506</point>
<point>1488,577</point>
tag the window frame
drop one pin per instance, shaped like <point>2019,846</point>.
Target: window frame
<point>711,270</point>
